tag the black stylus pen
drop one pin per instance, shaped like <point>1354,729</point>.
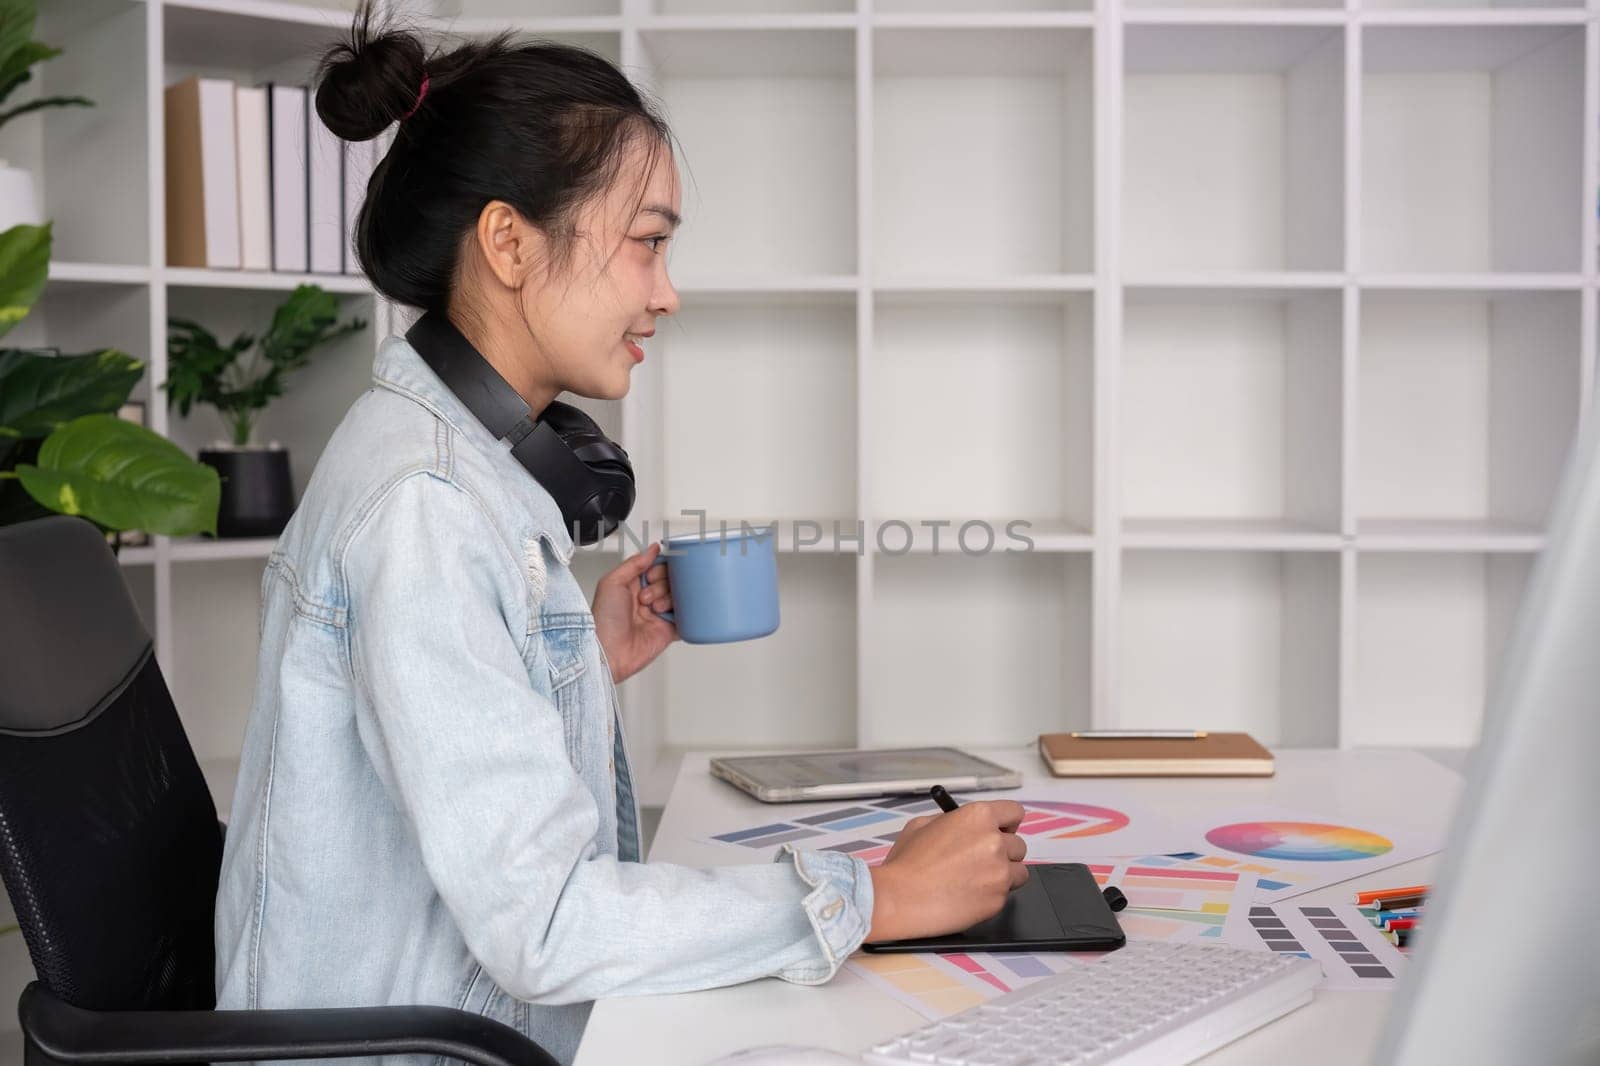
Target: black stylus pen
<point>946,802</point>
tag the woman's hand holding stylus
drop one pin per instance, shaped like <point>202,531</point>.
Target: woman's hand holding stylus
<point>948,871</point>
<point>626,618</point>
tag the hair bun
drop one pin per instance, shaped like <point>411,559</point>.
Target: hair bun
<point>370,80</point>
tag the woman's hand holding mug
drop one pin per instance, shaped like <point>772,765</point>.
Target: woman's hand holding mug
<point>627,606</point>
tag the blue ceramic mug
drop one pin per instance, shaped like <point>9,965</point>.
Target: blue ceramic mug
<point>724,586</point>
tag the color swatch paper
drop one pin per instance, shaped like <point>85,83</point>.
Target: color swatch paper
<point>1353,954</point>
<point>1294,852</point>
<point>1057,830</point>
<point>939,985</point>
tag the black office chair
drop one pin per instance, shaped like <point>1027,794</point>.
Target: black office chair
<point>110,846</point>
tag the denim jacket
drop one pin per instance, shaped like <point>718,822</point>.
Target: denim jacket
<point>434,804</point>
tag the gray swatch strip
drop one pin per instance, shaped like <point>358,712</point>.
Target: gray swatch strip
<point>781,838</point>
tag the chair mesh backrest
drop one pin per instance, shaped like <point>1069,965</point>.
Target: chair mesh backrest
<point>109,843</point>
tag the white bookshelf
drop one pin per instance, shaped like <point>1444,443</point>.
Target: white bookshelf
<point>1273,319</point>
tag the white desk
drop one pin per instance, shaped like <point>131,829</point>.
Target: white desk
<point>849,1015</point>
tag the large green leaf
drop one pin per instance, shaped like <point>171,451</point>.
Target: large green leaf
<point>303,321</point>
<point>24,263</point>
<point>43,102</point>
<point>123,476</point>
<point>14,67</point>
<point>16,27</point>
<point>41,392</point>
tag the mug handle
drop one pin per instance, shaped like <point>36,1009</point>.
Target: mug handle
<point>644,583</point>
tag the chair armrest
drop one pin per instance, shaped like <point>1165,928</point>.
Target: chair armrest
<point>71,1034</point>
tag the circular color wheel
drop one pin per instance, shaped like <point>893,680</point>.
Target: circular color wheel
<point>1098,819</point>
<point>1299,841</point>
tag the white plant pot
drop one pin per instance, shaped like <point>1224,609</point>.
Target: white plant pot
<point>19,198</point>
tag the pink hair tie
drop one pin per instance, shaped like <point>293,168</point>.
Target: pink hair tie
<point>423,91</point>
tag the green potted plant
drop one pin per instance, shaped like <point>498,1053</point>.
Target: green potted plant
<point>239,380</point>
<point>62,449</point>
<point>19,197</point>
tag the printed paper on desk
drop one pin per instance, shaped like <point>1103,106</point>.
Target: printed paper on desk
<point>1057,829</point>
<point>1353,953</point>
<point>1294,852</point>
<point>939,985</point>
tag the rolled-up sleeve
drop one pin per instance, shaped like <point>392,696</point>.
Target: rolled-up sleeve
<point>472,753</point>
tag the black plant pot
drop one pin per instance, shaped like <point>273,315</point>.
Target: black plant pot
<point>257,495</point>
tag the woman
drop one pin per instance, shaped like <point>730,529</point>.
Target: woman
<point>434,803</point>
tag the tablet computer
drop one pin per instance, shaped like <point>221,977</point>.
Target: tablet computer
<point>1059,908</point>
<point>823,775</point>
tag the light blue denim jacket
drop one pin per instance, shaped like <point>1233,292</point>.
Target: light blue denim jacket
<point>434,803</point>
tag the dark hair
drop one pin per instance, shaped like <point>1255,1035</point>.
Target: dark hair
<point>542,126</point>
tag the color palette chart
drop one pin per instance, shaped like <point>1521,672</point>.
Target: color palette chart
<point>1055,829</point>
<point>938,985</point>
<point>1291,853</point>
<point>1272,882</point>
<point>1170,902</point>
<point>1178,888</point>
<point>1353,954</point>
<point>1299,841</point>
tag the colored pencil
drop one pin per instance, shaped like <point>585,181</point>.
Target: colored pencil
<point>1378,895</point>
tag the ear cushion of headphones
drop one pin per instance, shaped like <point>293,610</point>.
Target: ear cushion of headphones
<point>609,481</point>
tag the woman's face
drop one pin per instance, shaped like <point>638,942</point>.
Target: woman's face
<point>591,323</point>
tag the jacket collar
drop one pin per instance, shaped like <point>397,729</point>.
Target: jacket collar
<point>399,367</point>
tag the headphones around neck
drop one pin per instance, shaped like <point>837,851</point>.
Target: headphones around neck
<point>587,474</point>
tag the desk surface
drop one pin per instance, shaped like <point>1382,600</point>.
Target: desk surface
<point>849,1015</point>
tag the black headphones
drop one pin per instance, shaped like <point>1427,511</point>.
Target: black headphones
<point>587,473</point>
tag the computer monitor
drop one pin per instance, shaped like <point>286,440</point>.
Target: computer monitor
<point>1507,969</point>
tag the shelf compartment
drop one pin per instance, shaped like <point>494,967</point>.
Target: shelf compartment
<point>1231,410</point>
<point>90,165</point>
<point>984,650</point>
<point>1253,635</point>
<point>761,397</point>
<point>1444,534</point>
<point>1227,534</point>
<point>746,8</point>
<point>63,274</point>
<point>1472,153</point>
<point>976,536</point>
<point>520,10</point>
<point>316,396</point>
<point>1258,12</point>
<point>78,318</point>
<point>1017,198</point>
<point>977,7</point>
<point>263,280</point>
<point>270,40</point>
<point>796,687</point>
<point>248,43</point>
<point>766,123</point>
<point>1468,403</point>
<point>982,407</point>
<point>1233,148</point>
<point>1469,8</point>
<point>1429,636</point>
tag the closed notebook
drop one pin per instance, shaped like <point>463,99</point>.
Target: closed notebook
<point>326,205</point>
<point>1213,755</point>
<point>202,175</point>
<point>290,176</point>
<point>255,195</point>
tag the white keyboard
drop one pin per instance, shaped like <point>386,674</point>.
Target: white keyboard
<point>1147,1003</point>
